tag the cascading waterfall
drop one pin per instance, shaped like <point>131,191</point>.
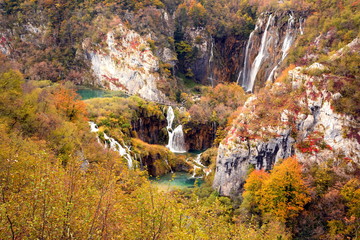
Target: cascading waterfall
<point>245,70</point>
<point>289,37</point>
<point>114,145</point>
<point>270,54</point>
<point>197,165</point>
<point>288,41</point>
<point>167,163</point>
<point>176,137</point>
<point>259,59</point>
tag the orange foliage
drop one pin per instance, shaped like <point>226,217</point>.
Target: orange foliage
<point>67,103</point>
<point>284,74</point>
<point>284,194</point>
<point>252,194</point>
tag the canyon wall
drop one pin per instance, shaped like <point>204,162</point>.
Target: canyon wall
<point>308,128</point>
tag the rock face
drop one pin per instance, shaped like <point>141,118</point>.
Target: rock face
<point>199,137</point>
<point>217,60</point>
<point>151,130</point>
<point>320,135</point>
<point>125,62</point>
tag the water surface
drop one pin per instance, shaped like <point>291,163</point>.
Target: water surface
<point>179,180</point>
<point>88,93</point>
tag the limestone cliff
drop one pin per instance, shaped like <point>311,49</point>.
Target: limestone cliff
<point>126,63</point>
<point>306,126</point>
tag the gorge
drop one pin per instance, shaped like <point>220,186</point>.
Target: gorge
<point>183,119</point>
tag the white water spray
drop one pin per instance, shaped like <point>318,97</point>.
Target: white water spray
<point>176,137</point>
<point>245,70</point>
<point>288,41</point>
<point>211,77</point>
<point>259,58</point>
<point>114,145</point>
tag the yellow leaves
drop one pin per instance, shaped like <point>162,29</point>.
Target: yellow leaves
<point>285,193</point>
<point>351,193</point>
<point>281,194</point>
<point>284,74</point>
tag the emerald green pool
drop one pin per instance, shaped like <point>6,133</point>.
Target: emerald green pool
<point>88,93</point>
<point>180,180</point>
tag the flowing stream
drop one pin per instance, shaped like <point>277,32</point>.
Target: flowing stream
<point>114,145</point>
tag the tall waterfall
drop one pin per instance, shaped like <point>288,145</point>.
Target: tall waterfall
<point>288,41</point>
<point>289,37</point>
<point>259,59</point>
<point>245,70</point>
<point>114,145</point>
<point>263,57</point>
<point>176,136</point>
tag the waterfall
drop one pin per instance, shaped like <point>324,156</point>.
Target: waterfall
<point>198,162</point>
<point>238,78</point>
<point>289,37</point>
<point>274,48</point>
<point>288,41</point>
<point>301,20</point>
<point>176,137</point>
<point>167,163</point>
<point>211,78</point>
<point>114,145</point>
<point>170,117</point>
<point>177,140</point>
<point>245,70</point>
<point>259,59</point>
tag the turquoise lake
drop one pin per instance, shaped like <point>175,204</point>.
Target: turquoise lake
<point>180,180</point>
<point>88,93</point>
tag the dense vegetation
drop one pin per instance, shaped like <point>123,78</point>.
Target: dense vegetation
<point>58,182</point>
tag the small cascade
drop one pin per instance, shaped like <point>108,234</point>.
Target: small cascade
<point>211,77</point>
<point>114,145</point>
<point>301,20</point>
<point>167,163</point>
<point>259,59</point>
<point>197,165</point>
<point>176,137</point>
<point>94,128</point>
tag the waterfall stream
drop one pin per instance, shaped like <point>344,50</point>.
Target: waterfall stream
<point>245,70</point>
<point>114,145</point>
<point>259,58</point>
<point>197,164</point>
<point>288,41</point>
<point>270,53</point>
<point>211,77</point>
<point>289,37</point>
<point>176,137</point>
